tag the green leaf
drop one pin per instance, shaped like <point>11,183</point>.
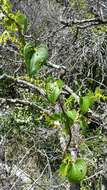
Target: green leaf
<point>83,122</point>
<point>70,118</point>
<point>41,53</point>
<point>53,90</point>
<point>21,20</point>
<point>38,59</point>
<point>64,169</point>
<point>68,158</point>
<point>34,68</point>
<point>66,165</point>
<point>59,83</point>
<point>4,37</point>
<point>77,171</point>
<point>73,115</point>
<point>28,52</point>
<point>98,93</point>
<point>56,117</point>
<point>86,102</point>
<point>6,5</point>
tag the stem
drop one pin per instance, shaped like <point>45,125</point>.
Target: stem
<point>72,135</point>
<point>68,125</point>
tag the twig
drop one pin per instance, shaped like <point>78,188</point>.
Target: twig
<point>75,36</point>
<point>56,66</point>
<point>92,176</point>
<point>69,90</point>
<point>68,126</point>
<point>31,187</point>
<point>49,166</point>
<point>18,69</point>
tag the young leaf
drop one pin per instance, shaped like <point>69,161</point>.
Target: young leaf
<point>28,52</point>
<point>73,115</point>
<point>66,165</point>
<point>64,169</point>
<point>41,54</point>
<point>98,93</point>
<point>53,90</point>
<point>84,104</point>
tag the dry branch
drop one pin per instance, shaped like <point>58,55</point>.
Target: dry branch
<point>22,84</point>
<point>85,23</point>
<point>23,103</point>
<point>56,66</point>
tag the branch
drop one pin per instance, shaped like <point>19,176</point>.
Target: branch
<point>85,23</point>
<point>56,66</point>
<point>96,174</point>
<point>24,103</point>
<point>22,84</point>
<point>70,91</point>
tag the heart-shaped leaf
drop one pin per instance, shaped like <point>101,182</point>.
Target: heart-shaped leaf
<point>38,59</point>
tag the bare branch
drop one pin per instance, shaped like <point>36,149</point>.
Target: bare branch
<point>24,103</point>
<point>22,84</point>
<point>56,66</point>
<point>70,91</point>
<point>85,23</point>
